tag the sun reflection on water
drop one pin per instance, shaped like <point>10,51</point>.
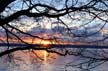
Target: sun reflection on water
<point>45,56</point>
<point>45,45</point>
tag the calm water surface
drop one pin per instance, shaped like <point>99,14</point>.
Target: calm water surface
<point>24,61</point>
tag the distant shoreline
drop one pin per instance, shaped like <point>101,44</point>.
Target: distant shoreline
<point>54,45</point>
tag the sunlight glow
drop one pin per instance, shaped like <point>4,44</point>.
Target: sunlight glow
<point>45,56</point>
<point>45,43</point>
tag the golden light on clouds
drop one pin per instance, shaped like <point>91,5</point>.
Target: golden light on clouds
<point>44,43</point>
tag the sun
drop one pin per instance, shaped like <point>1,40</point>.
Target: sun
<point>45,43</point>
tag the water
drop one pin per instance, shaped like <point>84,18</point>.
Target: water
<point>43,61</point>
<point>22,61</point>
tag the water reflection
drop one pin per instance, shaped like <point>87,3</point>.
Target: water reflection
<point>27,61</point>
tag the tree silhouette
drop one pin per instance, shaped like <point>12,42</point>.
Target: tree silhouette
<point>73,21</point>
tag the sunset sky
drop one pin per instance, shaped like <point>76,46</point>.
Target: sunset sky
<point>45,27</point>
